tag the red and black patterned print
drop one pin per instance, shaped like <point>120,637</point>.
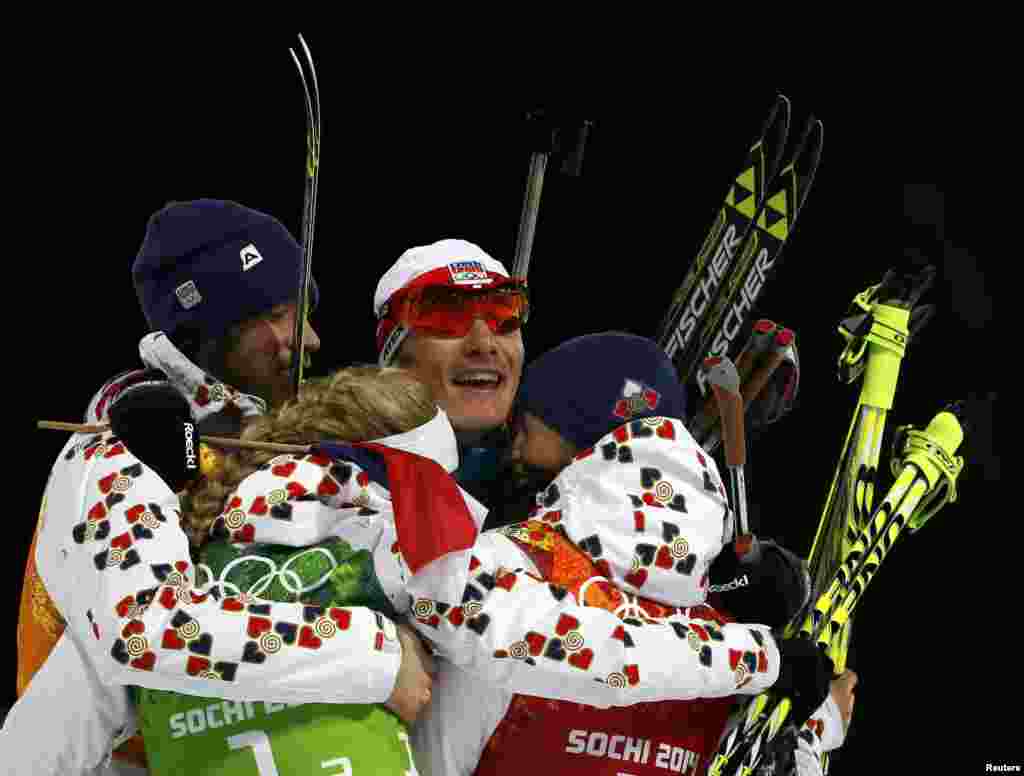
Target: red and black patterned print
<point>133,648</point>
<point>470,612</point>
<point>96,526</point>
<point>709,484</point>
<point>268,637</point>
<point>567,644</point>
<point>672,553</point>
<point>176,587</point>
<point>618,450</point>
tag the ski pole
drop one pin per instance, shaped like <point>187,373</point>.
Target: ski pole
<point>725,384</point>
<point>216,441</point>
<point>760,337</point>
<point>763,355</point>
<point>881,322</point>
<point>927,470</point>
<point>545,139</point>
<point>766,366</point>
<point>706,417</point>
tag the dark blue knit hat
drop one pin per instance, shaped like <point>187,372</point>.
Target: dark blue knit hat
<point>208,264</point>
<point>590,385</point>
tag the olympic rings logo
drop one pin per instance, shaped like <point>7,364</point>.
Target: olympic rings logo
<point>286,575</point>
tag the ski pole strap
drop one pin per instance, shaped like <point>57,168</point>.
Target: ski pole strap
<point>854,328</point>
<point>884,315</point>
<point>881,333</point>
<point>931,451</point>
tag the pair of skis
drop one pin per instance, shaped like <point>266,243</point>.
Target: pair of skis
<point>311,92</point>
<point>744,244</point>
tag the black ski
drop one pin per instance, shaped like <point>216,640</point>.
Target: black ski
<point>312,97</point>
<point>745,196</point>
<point>770,228</point>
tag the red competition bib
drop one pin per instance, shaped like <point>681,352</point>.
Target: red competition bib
<point>647,739</point>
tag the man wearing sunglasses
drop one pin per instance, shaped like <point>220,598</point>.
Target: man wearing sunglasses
<point>453,315</point>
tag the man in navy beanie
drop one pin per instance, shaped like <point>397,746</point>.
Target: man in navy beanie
<point>111,566</point>
<point>220,280</point>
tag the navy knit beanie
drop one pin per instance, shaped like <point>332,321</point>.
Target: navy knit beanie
<point>591,385</point>
<point>208,264</point>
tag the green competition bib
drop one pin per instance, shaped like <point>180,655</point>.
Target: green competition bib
<point>188,734</point>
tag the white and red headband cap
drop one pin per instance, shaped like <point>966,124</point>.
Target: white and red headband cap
<point>449,262</point>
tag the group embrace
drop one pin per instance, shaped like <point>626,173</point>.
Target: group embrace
<point>461,566</point>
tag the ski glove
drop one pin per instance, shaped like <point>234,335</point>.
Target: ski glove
<point>155,423</point>
<point>769,586</point>
<point>804,677</point>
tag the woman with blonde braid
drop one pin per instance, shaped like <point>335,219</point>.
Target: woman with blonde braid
<point>295,529</point>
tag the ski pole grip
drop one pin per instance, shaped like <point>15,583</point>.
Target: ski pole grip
<point>757,344</point>
<point>886,344</point>
<point>731,408</point>
<point>933,453</point>
<point>573,164</point>
<point>759,377</point>
<point>766,367</point>
<point>707,418</point>
<point>725,384</point>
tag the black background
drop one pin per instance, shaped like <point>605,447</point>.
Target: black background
<point>422,142</point>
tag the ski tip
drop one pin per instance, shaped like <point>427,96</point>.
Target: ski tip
<point>780,106</point>
<point>809,127</point>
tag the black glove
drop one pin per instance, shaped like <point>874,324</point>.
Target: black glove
<point>768,586</point>
<point>156,424</point>
<point>804,677</point>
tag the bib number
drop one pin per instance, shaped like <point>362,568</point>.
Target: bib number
<point>259,742</point>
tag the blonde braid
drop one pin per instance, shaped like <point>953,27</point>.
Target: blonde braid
<point>356,404</point>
